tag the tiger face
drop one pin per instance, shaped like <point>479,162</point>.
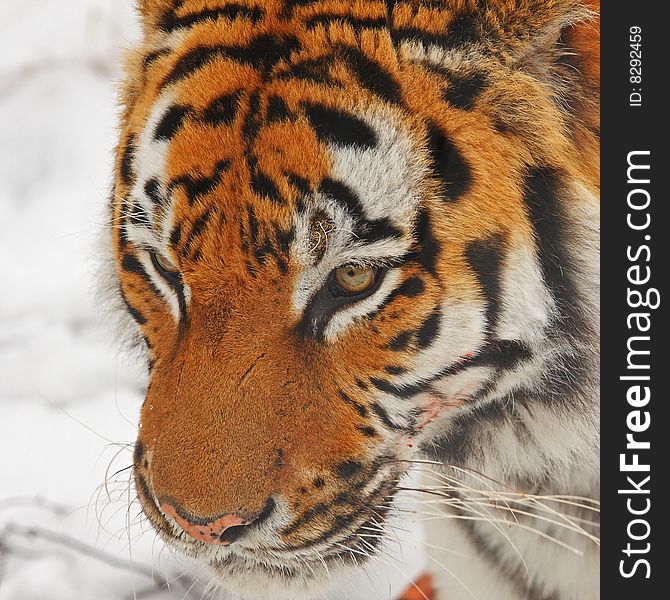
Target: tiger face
<point>329,221</point>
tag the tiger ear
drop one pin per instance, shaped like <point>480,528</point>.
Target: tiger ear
<point>565,53</point>
<point>568,41</point>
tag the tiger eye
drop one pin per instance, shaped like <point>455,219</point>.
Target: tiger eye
<point>165,264</point>
<point>355,280</point>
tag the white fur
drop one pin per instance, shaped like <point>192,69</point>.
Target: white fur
<point>149,161</point>
<point>387,179</point>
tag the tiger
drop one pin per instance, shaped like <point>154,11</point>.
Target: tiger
<point>353,240</point>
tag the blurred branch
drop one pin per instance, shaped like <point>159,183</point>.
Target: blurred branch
<point>9,84</point>
<point>66,541</point>
<point>60,510</point>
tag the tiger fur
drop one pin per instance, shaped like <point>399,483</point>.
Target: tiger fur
<point>447,151</point>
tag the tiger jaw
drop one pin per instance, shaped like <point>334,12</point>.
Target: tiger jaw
<point>262,561</point>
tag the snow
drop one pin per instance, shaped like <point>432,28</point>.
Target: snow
<point>68,398</point>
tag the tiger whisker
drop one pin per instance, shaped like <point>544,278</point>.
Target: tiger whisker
<point>515,511</point>
<point>513,495</point>
<point>472,491</point>
<point>474,473</point>
<point>434,516</point>
<point>494,523</point>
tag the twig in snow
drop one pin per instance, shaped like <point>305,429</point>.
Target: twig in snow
<point>80,547</point>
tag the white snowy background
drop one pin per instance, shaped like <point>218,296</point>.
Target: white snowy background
<point>68,399</point>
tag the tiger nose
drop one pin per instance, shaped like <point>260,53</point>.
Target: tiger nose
<point>222,530</point>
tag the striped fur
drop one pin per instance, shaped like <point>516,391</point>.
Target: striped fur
<point>452,146</point>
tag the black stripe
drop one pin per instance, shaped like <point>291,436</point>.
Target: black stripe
<point>468,28</point>
<point>372,75</point>
<point>152,190</point>
<point>401,341</point>
<point>268,249</point>
<point>200,186</point>
<point>312,69</point>
<point>199,227</point>
<point>277,109</point>
<point>252,123</point>
<point>123,235</point>
<point>175,235</point>
<point>131,264</point>
<point>486,257</point>
<point>139,318</point>
<point>171,122</point>
<point>343,195</point>
<point>551,236</point>
<point>277,248</point>
<point>139,216</point>
<point>429,246</point>
<point>352,21</point>
<point>340,522</point>
<point>284,239</point>
<point>318,510</point>
<point>462,92</point>
<point>366,230</point>
<point>367,431</point>
<point>222,110</point>
<point>253,224</point>
<point>192,61</point>
<point>465,30</point>
<point>170,21</point>
<point>300,183</point>
<point>340,127</point>
<point>251,268</point>
<point>127,158</point>
<point>449,165</point>
<point>353,499</point>
<point>401,391</point>
<point>502,354</point>
<point>379,410</point>
<point>262,52</point>
<point>264,187</point>
<point>377,230</point>
<point>152,57</point>
<point>348,469</point>
<point>410,288</point>
<point>360,409</point>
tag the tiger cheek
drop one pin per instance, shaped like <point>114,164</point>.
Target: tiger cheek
<point>216,415</point>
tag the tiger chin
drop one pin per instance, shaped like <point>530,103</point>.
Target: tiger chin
<point>352,239</point>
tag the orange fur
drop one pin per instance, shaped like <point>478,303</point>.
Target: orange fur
<point>239,407</point>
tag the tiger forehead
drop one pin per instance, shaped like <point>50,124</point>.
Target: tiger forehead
<point>347,45</point>
<point>279,101</point>
<point>259,80</point>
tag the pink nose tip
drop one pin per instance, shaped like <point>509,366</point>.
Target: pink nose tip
<point>224,530</point>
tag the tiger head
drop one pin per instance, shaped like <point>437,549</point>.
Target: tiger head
<point>338,227</point>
